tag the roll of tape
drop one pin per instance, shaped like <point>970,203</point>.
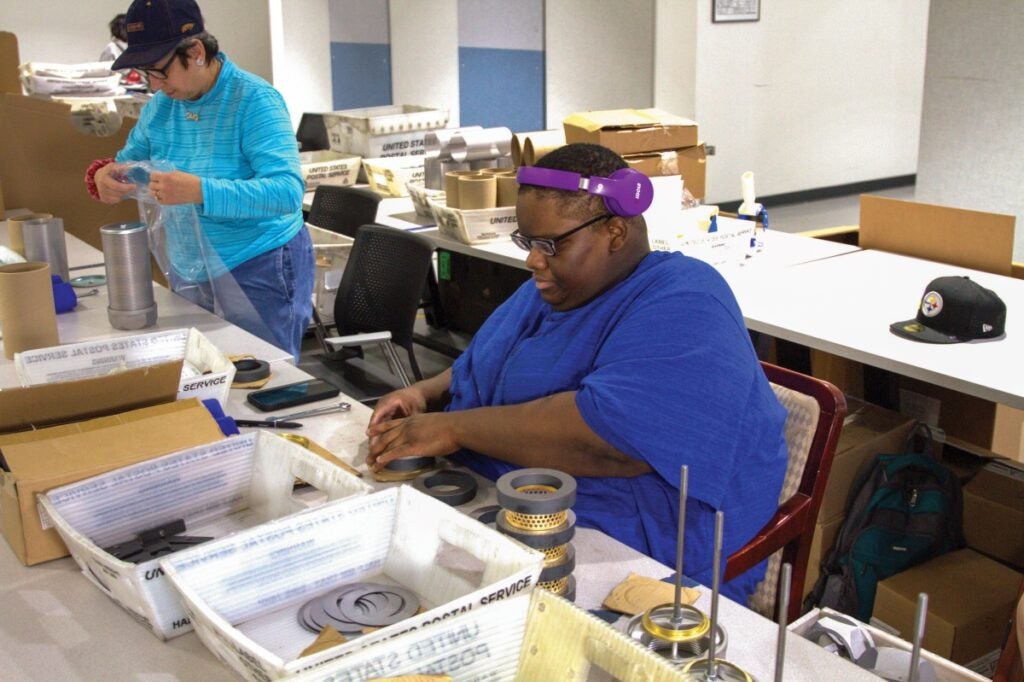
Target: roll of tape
<point>250,370</point>
<point>450,486</point>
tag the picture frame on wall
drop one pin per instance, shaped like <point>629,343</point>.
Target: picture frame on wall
<point>723,11</point>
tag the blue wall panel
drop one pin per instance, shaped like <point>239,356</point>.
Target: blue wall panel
<point>499,87</point>
<point>360,74</point>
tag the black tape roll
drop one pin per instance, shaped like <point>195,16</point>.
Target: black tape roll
<point>250,370</point>
<point>536,502</point>
<point>463,486</point>
<point>559,535</point>
<point>562,568</point>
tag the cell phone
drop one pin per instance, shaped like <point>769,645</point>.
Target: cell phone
<point>290,395</point>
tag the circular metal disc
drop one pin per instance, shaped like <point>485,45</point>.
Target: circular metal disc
<point>88,281</point>
<point>378,605</point>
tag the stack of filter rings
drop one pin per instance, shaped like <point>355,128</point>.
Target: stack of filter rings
<point>679,644</point>
<point>535,510</point>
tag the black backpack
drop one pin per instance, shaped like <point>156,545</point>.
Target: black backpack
<point>906,509</point>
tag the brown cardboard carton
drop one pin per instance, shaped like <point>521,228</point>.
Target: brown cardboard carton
<point>970,599</point>
<point>690,162</point>
<point>9,61</point>
<point>868,430</point>
<point>43,160</point>
<point>824,537</point>
<point>994,513</point>
<point>631,131</point>
<point>37,461</point>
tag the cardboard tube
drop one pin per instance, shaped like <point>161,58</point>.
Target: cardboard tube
<point>14,231</point>
<point>518,141</point>
<point>508,188</point>
<point>451,186</point>
<point>477,191</point>
<point>540,143</point>
<point>27,311</point>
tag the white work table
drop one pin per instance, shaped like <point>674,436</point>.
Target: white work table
<point>844,305</point>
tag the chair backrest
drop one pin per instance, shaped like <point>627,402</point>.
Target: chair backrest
<point>815,412</point>
<point>312,133</point>
<point>343,209</point>
<point>381,286</point>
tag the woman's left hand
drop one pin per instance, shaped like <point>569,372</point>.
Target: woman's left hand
<point>420,435</point>
<point>176,187</point>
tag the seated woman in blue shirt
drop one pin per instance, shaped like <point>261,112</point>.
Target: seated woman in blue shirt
<point>616,365</point>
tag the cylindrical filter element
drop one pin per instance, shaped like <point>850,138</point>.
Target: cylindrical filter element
<point>433,178</point>
<point>44,242</point>
<point>27,312</point>
<point>484,165</point>
<point>14,231</point>
<point>435,142</point>
<point>129,276</point>
<point>472,145</point>
<point>477,191</point>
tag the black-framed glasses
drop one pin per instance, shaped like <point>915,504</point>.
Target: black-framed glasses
<point>546,245</point>
<point>160,72</point>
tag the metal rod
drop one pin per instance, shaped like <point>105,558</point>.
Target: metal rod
<point>339,407</point>
<point>780,646</point>
<point>919,620</point>
<point>677,613</point>
<point>712,672</point>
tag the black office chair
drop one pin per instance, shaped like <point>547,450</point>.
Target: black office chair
<point>312,133</point>
<point>343,209</point>
<point>380,292</point>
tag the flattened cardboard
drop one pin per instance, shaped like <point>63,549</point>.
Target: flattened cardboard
<point>631,131</point>
<point>970,239</point>
<point>43,161</point>
<point>43,459</point>
<point>970,599</point>
<point>996,492</point>
<point>46,404</point>
<point>822,541</point>
<point>690,162</point>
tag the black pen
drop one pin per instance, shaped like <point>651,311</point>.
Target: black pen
<point>268,424</point>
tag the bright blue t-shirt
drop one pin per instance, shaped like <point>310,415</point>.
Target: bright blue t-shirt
<point>665,372</point>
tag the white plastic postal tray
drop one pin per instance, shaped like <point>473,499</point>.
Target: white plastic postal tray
<point>243,592</point>
<point>393,130</point>
<point>206,372</point>
<point>390,176</point>
<point>217,489</point>
<point>324,167</point>
<point>526,638</point>
<point>478,226</point>
<point>687,233</point>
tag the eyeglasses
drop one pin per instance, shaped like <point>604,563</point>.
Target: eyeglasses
<point>546,245</point>
<point>160,72</point>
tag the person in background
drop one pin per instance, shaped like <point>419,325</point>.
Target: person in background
<point>616,365</point>
<point>118,39</point>
<point>228,134</point>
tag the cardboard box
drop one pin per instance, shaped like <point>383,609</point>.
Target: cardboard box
<point>216,489</point>
<point>478,226</point>
<point>325,167</point>
<point>332,251</point>
<point>243,592</point>
<point>631,131</point>
<point>824,537</point>
<point>37,461</point>
<point>994,512</point>
<point>523,638</point>
<point>205,373</point>
<point>970,599</point>
<point>375,132</point>
<point>945,670</point>
<point>868,430</point>
<point>43,159</point>
<point>965,420</point>
<point>689,162</point>
<point>390,176</point>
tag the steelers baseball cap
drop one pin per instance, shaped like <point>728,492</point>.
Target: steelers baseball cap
<point>155,27</point>
<point>954,310</point>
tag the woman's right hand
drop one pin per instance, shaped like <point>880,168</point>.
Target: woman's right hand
<point>109,187</point>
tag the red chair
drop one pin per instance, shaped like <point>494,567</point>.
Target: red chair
<point>815,410</point>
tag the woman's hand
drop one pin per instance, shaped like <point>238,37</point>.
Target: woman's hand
<point>176,187</point>
<point>110,188</point>
<point>419,435</point>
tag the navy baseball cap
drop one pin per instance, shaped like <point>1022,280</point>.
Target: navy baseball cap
<point>953,310</point>
<point>155,27</point>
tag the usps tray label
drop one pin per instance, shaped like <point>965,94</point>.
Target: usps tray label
<point>96,358</point>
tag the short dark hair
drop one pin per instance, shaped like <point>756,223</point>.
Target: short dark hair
<point>118,28</point>
<point>585,159</point>
<point>208,41</point>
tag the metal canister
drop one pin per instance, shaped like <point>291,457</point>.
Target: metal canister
<point>129,276</point>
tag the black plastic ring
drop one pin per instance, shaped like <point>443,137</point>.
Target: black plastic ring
<point>558,535</point>
<point>408,463</point>
<point>486,515</point>
<point>464,485</point>
<point>562,568</point>
<point>511,498</point>
<point>250,370</point>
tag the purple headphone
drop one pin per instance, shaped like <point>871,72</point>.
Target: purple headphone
<point>626,193</point>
